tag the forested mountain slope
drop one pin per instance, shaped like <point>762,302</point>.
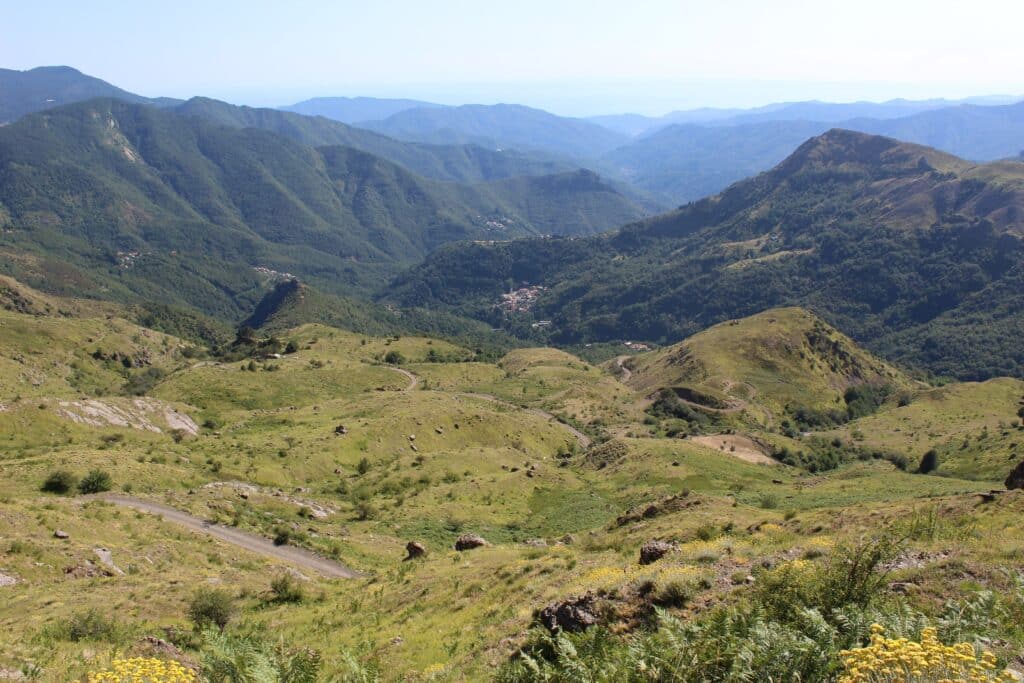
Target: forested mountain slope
<point>905,248</point>
<point>133,202</point>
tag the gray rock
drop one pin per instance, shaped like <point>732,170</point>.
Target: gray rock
<point>573,615</point>
<point>63,535</point>
<point>470,541</point>
<point>415,549</point>
<point>652,551</point>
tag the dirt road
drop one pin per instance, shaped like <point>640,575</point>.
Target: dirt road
<point>414,381</point>
<point>251,542</point>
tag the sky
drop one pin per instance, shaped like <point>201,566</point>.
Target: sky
<point>573,57</point>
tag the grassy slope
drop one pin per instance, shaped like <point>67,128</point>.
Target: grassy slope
<point>770,360</point>
<point>468,473</point>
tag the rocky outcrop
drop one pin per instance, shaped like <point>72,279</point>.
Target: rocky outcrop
<point>415,549</point>
<point>470,541</point>
<point>652,551</point>
<point>573,615</point>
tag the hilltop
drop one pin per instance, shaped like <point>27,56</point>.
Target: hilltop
<point>894,243</point>
<point>783,360</point>
<point>46,87</point>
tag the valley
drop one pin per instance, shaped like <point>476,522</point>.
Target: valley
<point>381,389</point>
<point>338,453</point>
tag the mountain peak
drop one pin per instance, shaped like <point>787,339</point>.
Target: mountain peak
<point>841,147</point>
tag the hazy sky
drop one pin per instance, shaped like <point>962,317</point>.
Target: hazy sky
<point>571,56</point>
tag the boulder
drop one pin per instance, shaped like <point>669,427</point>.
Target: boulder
<point>652,551</point>
<point>415,549</point>
<point>573,615</point>
<point>1016,478</point>
<point>470,541</point>
<point>63,535</point>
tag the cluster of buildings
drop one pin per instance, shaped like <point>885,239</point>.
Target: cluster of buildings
<point>125,259</point>
<point>520,300</point>
<point>274,274</point>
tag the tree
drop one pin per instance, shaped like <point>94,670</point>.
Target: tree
<point>394,358</point>
<point>211,607</point>
<point>929,463</point>
<point>245,335</point>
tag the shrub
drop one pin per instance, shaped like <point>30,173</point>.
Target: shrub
<point>363,467</point>
<point>60,481</point>
<point>211,607</point>
<point>929,463</point>
<point>97,481</point>
<point>365,510</point>
<point>285,588</point>
<point>394,358</point>
<point>282,535</point>
<point>673,593</point>
<point>88,625</point>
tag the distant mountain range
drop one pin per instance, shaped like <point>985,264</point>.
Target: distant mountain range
<point>685,162</point>
<point>658,162</point>
<point>829,112</point>
<point>356,109</point>
<point>918,253</point>
<point>501,126</point>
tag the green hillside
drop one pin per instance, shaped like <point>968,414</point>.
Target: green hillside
<point>781,360</point>
<point>913,252</point>
<point>352,445</point>
<point>142,204</point>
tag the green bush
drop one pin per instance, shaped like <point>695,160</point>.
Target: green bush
<point>285,588</point>
<point>211,607</point>
<point>282,535</point>
<point>88,625</point>
<point>59,481</point>
<point>929,462</point>
<point>97,481</point>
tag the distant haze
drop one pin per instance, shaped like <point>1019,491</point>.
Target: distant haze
<point>573,57</point>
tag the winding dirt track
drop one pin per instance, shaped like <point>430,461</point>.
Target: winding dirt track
<point>251,542</point>
<point>414,381</point>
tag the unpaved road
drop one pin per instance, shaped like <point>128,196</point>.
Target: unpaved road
<point>582,438</point>
<point>251,542</point>
<point>414,381</point>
